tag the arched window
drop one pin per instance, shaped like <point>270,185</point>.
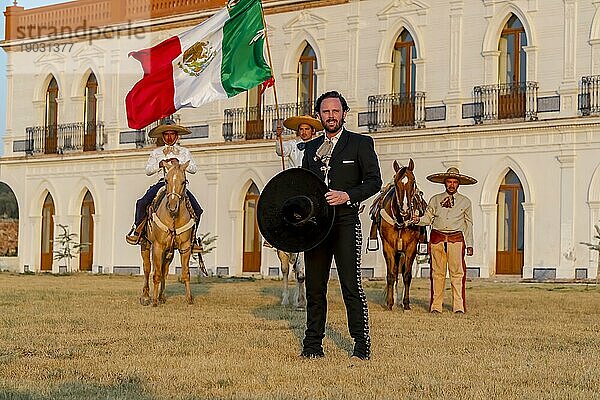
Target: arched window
<point>307,80</point>
<point>51,117</point>
<point>510,228</point>
<point>90,113</point>
<point>252,241</point>
<point>86,233</point>
<point>47,234</point>
<point>404,72</point>
<point>513,62</point>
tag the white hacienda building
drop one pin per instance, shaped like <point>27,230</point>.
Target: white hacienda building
<point>507,91</point>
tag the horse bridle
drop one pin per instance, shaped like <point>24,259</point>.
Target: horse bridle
<point>173,194</point>
<point>414,198</point>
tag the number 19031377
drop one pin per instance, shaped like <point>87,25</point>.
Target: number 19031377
<point>47,47</point>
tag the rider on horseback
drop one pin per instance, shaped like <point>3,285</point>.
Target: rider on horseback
<point>169,132</point>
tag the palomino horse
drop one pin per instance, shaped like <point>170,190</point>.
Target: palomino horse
<point>296,260</point>
<point>394,209</point>
<point>170,226</point>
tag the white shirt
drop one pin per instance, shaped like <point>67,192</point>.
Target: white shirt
<point>291,151</point>
<point>166,152</point>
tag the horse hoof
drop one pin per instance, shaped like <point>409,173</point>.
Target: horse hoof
<point>406,307</point>
<point>144,301</point>
<point>162,300</point>
<point>190,301</point>
<point>154,304</point>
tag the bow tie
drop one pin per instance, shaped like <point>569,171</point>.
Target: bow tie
<point>447,202</point>
<point>301,145</point>
<point>170,149</point>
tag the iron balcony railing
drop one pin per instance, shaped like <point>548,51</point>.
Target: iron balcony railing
<point>260,122</point>
<point>396,109</point>
<point>589,95</point>
<point>56,139</point>
<point>506,101</point>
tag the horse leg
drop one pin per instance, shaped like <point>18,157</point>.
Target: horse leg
<point>157,261</point>
<point>145,250</point>
<point>301,296</point>
<point>162,299</point>
<point>409,258</point>
<point>284,260</point>
<point>185,274</point>
<point>400,261</point>
<point>389,253</point>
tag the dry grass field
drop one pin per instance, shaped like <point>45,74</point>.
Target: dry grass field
<point>87,337</point>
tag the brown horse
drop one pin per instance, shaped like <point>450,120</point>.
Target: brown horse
<point>393,210</point>
<point>170,226</point>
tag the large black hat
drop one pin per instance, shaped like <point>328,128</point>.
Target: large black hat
<point>292,212</point>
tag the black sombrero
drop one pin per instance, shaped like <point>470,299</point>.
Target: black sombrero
<point>292,212</point>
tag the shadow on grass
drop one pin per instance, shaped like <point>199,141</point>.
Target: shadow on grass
<point>296,319</point>
<point>129,388</point>
<point>376,295</point>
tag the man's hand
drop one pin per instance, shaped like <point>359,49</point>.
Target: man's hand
<point>415,219</point>
<point>336,197</point>
<point>279,130</point>
<point>469,251</point>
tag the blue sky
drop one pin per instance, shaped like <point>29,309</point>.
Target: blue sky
<point>27,4</point>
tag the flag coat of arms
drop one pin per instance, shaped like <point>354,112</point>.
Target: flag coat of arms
<point>219,58</point>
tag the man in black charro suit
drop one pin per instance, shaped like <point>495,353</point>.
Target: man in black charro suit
<point>348,163</point>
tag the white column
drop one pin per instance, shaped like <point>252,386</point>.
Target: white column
<point>456,17</point>
<point>488,245</point>
<point>106,246</point>
<point>567,210</point>
<point>568,89</point>
<point>353,47</point>
<point>529,235</point>
<point>209,221</point>
<point>384,73</point>
<point>235,249</point>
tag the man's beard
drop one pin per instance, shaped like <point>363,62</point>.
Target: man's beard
<point>336,128</point>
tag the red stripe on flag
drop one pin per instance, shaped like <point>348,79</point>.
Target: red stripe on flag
<point>152,97</point>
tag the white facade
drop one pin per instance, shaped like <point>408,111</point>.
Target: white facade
<point>556,156</point>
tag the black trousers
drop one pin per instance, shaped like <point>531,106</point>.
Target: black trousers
<point>344,244</point>
<point>142,204</point>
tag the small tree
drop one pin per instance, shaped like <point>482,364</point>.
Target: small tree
<point>206,239</point>
<point>595,247</point>
<point>68,247</point>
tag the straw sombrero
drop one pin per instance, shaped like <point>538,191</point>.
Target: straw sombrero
<point>452,172</point>
<point>293,122</point>
<point>168,125</point>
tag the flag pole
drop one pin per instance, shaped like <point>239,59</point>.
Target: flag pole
<point>279,137</point>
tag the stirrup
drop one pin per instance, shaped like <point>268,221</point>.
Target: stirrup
<point>372,244</point>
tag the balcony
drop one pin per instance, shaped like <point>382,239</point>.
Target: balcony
<point>58,139</point>
<point>505,101</point>
<point>589,95</point>
<point>396,110</point>
<point>260,122</point>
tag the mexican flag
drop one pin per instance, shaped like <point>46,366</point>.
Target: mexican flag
<point>219,58</point>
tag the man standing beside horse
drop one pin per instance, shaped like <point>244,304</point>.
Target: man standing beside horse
<point>169,132</point>
<point>451,219</point>
<point>348,164</point>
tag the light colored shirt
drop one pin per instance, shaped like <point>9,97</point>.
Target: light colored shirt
<point>459,217</point>
<point>166,152</point>
<point>291,151</point>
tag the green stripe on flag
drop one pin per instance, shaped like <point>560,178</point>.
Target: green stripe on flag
<point>243,66</point>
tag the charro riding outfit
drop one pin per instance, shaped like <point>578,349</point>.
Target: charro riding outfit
<point>354,169</point>
<point>159,154</point>
<point>451,220</point>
